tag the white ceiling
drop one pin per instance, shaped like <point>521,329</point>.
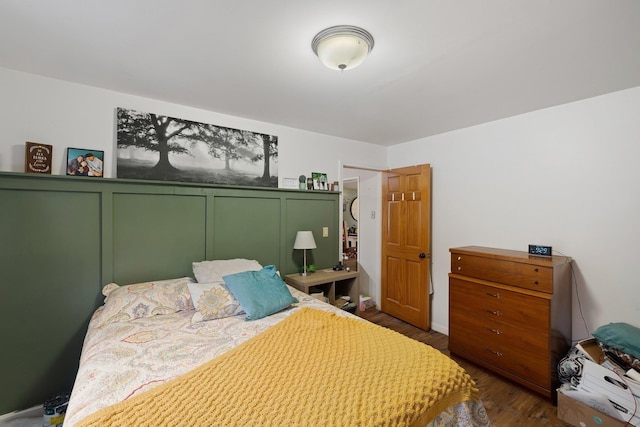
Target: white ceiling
<point>437,65</point>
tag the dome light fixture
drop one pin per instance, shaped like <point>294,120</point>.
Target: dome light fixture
<point>342,47</point>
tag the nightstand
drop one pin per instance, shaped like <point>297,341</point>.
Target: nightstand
<point>332,283</point>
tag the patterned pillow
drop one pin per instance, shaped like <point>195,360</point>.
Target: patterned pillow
<point>125,303</point>
<point>213,301</point>
<point>212,271</point>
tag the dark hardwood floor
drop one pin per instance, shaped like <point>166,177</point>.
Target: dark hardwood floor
<point>507,403</point>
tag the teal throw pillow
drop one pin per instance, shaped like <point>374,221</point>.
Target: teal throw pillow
<point>260,293</point>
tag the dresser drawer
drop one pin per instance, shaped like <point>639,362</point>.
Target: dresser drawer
<point>506,354</point>
<point>522,311</point>
<point>499,334</point>
<point>528,276</point>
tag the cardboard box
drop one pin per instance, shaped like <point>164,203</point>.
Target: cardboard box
<point>623,393</point>
<point>591,350</point>
<point>351,263</point>
<point>580,415</point>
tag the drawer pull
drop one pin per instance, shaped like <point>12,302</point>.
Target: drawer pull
<point>459,268</point>
<point>459,258</point>
<point>492,295</point>
<point>535,283</point>
<point>497,353</point>
<point>495,331</point>
<point>495,313</point>
<point>535,269</point>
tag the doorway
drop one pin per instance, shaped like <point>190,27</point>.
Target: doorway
<point>350,216</point>
<point>366,184</point>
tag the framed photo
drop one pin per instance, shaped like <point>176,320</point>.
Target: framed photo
<point>291,183</point>
<point>85,162</point>
<point>188,151</point>
<point>320,181</point>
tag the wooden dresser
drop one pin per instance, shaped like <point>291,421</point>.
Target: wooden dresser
<point>511,313</point>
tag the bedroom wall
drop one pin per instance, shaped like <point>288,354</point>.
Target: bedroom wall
<point>562,176</point>
<point>565,176</point>
<point>35,108</point>
<point>64,114</point>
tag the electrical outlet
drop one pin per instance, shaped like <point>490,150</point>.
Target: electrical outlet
<point>325,231</point>
<point>373,214</point>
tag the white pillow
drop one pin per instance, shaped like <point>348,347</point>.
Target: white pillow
<point>213,301</point>
<point>212,271</point>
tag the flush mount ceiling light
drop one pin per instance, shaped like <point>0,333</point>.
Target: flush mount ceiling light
<point>342,47</point>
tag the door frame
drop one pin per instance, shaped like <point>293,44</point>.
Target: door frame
<point>369,246</point>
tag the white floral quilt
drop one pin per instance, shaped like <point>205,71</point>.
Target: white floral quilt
<point>122,359</point>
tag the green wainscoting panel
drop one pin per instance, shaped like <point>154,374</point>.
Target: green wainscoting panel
<point>314,215</point>
<point>157,236</point>
<point>247,227</point>
<point>50,277</point>
<point>63,238</point>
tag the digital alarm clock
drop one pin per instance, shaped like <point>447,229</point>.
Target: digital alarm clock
<point>540,250</point>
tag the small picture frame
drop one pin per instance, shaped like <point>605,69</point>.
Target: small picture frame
<point>38,158</point>
<point>291,183</point>
<point>320,181</point>
<point>85,162</point>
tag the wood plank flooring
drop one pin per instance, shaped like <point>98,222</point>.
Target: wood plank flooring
<point>507,403</point>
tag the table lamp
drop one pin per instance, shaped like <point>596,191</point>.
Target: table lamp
<point>304,241</point>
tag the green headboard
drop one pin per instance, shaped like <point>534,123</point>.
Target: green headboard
<point>63,238</point>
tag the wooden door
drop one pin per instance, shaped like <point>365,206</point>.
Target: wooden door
<point>406,244</point>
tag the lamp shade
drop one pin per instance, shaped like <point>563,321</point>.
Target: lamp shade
<point>304,240</point>
<point>342,47</point>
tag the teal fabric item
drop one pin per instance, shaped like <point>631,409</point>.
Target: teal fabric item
<point>621,336</point>
<point>260,293</point>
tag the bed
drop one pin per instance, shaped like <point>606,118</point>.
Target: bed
<point>216,350</point>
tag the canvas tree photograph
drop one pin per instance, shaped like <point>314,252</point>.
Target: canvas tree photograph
<point>157,147</point>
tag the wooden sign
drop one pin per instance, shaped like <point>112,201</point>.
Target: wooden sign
<point>38,158</point>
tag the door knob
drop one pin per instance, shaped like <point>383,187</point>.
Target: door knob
<point>422,255</point>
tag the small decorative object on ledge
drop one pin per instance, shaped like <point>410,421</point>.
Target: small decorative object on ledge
<point>85,162</point>
<point>320,181</point>
<point>38,158</point>
<point>290,183</point>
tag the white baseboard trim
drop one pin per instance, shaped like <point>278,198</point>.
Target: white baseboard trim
<point>440,328</point>
<point>33,412</point>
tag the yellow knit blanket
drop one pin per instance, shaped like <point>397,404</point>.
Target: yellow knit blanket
<point>312,369</point>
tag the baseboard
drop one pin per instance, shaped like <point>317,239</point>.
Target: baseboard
<point>33,412</point>
<point>440,328</point>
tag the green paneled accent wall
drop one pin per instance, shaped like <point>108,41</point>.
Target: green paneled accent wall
<point>49,273</point>
<point>157,235</point>
<point>253,232</point>
<point>63,238</point>
<point>303,214</point>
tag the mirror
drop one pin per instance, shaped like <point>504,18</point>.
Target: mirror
<point>354,209</point>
